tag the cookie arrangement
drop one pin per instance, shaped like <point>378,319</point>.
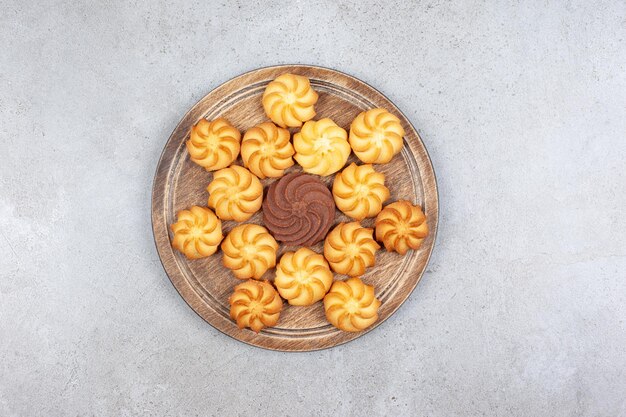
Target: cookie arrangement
<point>298,209</point>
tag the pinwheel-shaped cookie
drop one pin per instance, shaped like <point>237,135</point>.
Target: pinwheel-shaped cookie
<point>360,191</point>
<point>197,233</point>
<point>376,136</point>
<point>235,193</point>
<point>322,147</point>
<point>255,304</point>
<point>350,248</point>
<point>213,145</point>
<point>289,99</point>
<point>298,209</point>
<point>351,305</point>
<point>401,226</point>
<point>266,150</point>
<point>249,251</point>
<point>303,277</point>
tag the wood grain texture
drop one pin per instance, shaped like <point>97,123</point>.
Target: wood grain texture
<point>179,183</point>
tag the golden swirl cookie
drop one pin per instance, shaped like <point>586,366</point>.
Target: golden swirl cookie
<point>350,248</point>
<point>213,145</point>
<point>303,277</point>
<point>359,191</point>
<point>401,226</point>
<point>289,99</point>
<point>376,136</point>
<point>255,304</point>
<point>197,232</point>
<point>267,151</point>
<point>249,251</point>
<point>351,305</point>
<point>235,193</point>
<point>322,147</point>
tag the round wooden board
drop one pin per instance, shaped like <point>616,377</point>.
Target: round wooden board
<point>206,284</point>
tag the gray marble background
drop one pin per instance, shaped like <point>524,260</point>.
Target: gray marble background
<point>522,106</point>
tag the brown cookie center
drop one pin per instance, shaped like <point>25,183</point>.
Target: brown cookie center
<point>298,209</point>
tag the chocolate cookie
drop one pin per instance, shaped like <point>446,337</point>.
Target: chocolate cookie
<point>298,209</point>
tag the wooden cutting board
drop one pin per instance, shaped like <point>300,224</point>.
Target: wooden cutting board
<point>179,183</point>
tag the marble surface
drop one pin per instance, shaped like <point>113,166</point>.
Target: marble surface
<point>522,310</point>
